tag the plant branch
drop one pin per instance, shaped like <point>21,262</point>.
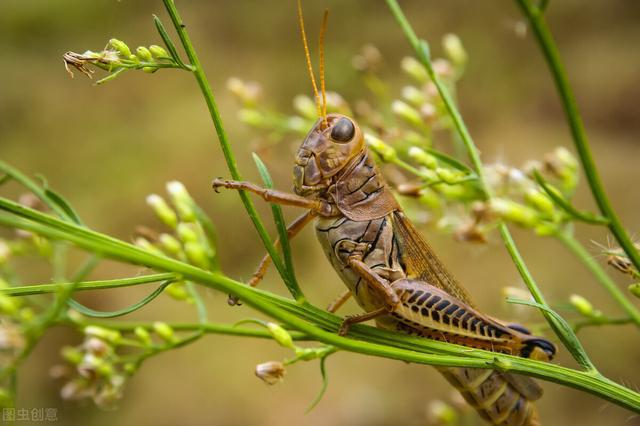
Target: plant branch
<point>422,51</point>
<point>550,51</point>
<point>569,241</point>
<point>31,289</point>
<point>225,145</point>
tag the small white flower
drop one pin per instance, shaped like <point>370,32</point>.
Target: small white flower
<point>270,372</point>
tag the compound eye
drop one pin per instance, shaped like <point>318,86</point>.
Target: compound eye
<point>343,130</point>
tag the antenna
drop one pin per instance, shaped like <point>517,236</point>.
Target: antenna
<point>308,56</point>
<point>323,30</point>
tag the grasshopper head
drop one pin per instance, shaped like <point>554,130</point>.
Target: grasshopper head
<point>332,143</point>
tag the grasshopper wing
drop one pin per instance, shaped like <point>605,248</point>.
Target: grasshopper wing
<point>421,261</point>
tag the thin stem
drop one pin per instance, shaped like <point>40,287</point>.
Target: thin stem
<point>31,289</point>
<point>569,241</point>
<point>550,51</point>
<point>232,165</point>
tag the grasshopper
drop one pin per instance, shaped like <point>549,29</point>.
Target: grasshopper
<point>389,268</point>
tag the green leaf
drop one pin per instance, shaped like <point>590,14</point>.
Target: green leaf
<point>167,41</point>
<point>64,205</point>
<point>210,233</point>
<point>120,312</point>
<point>561,202</point>
<point>451,161</point>
<point>278,218</point>
<point>323,389</point>
<point>564,332</point>
<point>111,76</point>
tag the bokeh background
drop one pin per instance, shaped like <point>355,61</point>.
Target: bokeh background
<point>107,147</point>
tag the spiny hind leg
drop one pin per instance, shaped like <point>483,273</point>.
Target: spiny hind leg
<point>380,285</point>
<point>355,319</point>
<point>292,230</point>
<point>321,207</point>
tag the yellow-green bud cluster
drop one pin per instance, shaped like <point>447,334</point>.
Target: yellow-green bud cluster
<point>387,152</point>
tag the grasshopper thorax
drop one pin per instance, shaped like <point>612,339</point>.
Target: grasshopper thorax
<point>332,144</point>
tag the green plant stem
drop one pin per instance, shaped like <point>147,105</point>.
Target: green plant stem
<point>33,187</point>
<point>302,317</point>
<point>569,241</point>
<point>566,335</point>
<point>550,52</point>
<point>208,327</point>
<point>232,165</point>
<point>28,290</point>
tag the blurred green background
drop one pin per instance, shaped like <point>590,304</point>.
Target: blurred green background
<point>107,147</point>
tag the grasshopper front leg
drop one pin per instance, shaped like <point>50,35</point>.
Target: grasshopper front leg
<point>319,206</point>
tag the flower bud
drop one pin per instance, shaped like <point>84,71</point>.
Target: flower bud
<point>144,54</point>
<point>165,332</point>
<point>414,96</point>
<point>387,152</point>
<point>196,254</point>
<point>112,336</point>
<point>430,198</point>
<point>96,346</point>
<point>454,50</point>
<point>297,124</point>
<point>513,212</point>
<point>539,201</point>
<point>149,70</point>
<point>422,157</point>
<point>43,245</point>
<point>162,210</point>
<point>5,252</point>
<point>158,52</point>
<point>582,305</point>
<point>281,335</point>
<point>407,113</point>
<point>26,314</point>
<point>336,103</point>
<point>271,372</point>
<point>75,390</point>
<point>143,335</point>
<point>428,112</point>
<point>306,107</point>
<point>546,229</point>
<point>145,244</point>
<point>170,244</point>
<point>130,368</point>
<point>178,292</point>
<point>247,92</point>
<point>414,69</point>
<point>252,117</point>
<point>121,47</point>
<point>448,175</point>
<point>71,354</point>
<point>635,290</point>
<point>186,233</point>
<point>182,201</point>
<point>8,304</point>
<point>565,166</point>
<point>441,413</point>
<point>442,68</point>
